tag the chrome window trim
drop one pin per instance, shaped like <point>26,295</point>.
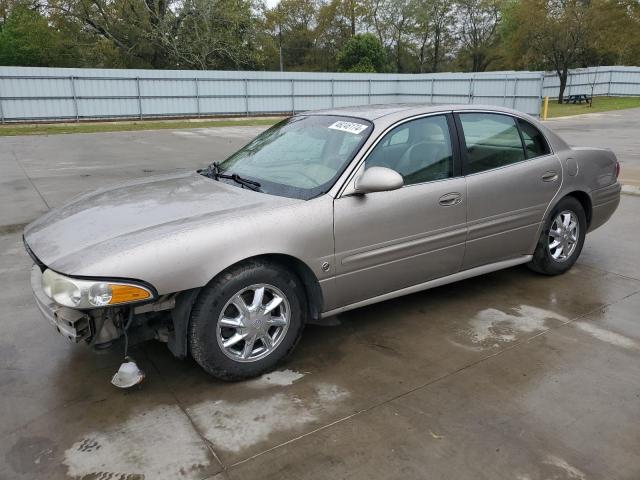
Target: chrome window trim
<point>513,115</point>
<point>521,162</point>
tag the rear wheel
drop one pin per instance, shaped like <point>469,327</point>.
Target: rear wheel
<point>562,238</point>
<point>247,320</point>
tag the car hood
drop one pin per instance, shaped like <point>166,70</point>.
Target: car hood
<point>65,237</point>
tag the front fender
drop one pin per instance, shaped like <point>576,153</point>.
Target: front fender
<point>179,257</point>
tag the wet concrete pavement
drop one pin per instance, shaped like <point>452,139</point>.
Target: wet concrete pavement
<point>511,375</point>
<point>618,130</point>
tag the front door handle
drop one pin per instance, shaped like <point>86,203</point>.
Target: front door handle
<point>550,176</point>
<point>449,199</point>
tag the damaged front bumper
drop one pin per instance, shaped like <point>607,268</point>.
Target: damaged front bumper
<point>101,327</point>
<point>75,325</point>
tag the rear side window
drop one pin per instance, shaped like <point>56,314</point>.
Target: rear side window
<point>534,142</point>
<point>492,141</point>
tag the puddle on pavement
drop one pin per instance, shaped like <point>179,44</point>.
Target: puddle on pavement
<point>158,443</point>
<point>235,426</point>
<point>607,335</point>
<point>567,469</point>
<point>161,442</point>
<point>491,327</point>
<point>279,378</point>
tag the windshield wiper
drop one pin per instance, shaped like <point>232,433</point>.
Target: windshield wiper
<point>214,171</point>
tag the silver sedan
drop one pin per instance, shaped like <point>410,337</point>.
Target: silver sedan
<point>324,212</point>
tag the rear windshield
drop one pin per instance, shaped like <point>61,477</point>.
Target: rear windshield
<point>302,156</point>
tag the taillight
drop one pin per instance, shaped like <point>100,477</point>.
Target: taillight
<point>617,169</point>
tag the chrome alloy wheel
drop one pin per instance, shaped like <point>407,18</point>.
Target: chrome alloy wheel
<point>563,235</point>
<point>253,323</point>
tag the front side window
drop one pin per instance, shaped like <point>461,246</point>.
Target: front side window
<point>300,157</point>
<point>419,150</point>
<point>534,142</point>
<point>492,141</point>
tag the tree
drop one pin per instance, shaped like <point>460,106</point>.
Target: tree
<point>392,21</point>
<point>291,26</point>
<point>134,27</point>
<point>434,25</point>
<point>362,53</point>
<point>213,34</point>
<point>551,34</point>
<point>415,35</point>
<point>337,21</point>
<point>614,33</point>
<point>478,31</point>
<point>27,39</point>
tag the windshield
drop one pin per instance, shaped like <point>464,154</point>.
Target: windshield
<point>300,157</point>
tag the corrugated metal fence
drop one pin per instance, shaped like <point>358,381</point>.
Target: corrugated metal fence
<point>32,94</point>
<point>41,94</point>
<point>610,81</point>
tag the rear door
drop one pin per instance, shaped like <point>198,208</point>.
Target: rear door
<point>512,176</point>
<point>386,241</point>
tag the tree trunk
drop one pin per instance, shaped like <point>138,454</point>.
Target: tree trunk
<point>476,62</point>
<point>562,75</point>
<point>436,52</point>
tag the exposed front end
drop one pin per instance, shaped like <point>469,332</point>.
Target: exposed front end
<point>98,312</point>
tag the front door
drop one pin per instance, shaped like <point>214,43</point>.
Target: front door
<point>386,241</point>
<point>512,176</point>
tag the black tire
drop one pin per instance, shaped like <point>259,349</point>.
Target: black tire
<point>543,262</point>
<point>203,341</point>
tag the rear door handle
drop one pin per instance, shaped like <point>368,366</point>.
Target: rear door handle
<point>550,176</point>
<point>449,199</point>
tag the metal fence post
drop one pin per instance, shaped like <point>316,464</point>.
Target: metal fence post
<point>470,100</point>
<point>246,97</point>
<point>433,81</point>
<point>515,92</point>
<point>610,79</point>
<point>369,94</point>
<point>506,83</point>
<point>75,98</point>
<point>1,109</point>
<point>197,89</point>
<point>139,97</point>
<point>293,98</point>
<point>333,98</point>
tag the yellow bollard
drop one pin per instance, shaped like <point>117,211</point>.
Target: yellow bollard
<point>545,108</point>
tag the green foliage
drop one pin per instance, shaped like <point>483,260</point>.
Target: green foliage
<point>562,34</point>
<point>362,53</point>
<point>213,34</point>
<point>322,35</point>
<point>27,39</point>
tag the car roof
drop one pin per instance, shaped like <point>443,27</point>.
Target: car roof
<point>378,111</point>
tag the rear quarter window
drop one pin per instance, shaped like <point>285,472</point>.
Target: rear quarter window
<point>534,142</point>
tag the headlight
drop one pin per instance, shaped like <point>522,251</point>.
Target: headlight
<point>77,293</point>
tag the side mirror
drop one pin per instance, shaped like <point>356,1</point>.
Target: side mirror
<point>378,179</point>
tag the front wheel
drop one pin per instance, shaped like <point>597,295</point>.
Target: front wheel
<point>561,239</point>
<point>246,320</point>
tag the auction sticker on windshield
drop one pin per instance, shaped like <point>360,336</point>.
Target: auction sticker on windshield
<point>349,127</point>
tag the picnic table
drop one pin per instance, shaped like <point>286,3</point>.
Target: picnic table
<point>579,98</point>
